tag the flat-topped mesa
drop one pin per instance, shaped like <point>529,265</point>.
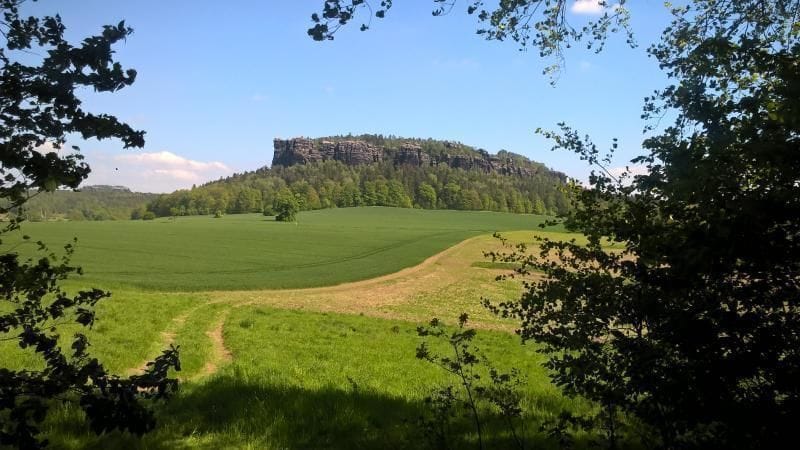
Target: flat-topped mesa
<point>303,151</point>
<point>289,152</point>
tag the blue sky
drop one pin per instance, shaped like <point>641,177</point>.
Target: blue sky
<point>219,80</point>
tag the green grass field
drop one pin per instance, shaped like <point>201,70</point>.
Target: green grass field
<point>240,252</point>
<point>321,380</point>
<point>329,367</point>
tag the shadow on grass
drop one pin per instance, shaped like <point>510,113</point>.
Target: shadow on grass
<point>227,412</point>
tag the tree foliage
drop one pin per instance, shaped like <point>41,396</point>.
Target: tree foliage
<point>88,203</point>
<point>286,206</point>
<point>539,24</point>
<point>480,387</point>
<point>331,184</point>
<point>39,108</point>
<point>693,328</point>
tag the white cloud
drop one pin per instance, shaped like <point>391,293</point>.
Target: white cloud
<point>152,172</point>
<point>585,66</point>
<point>169,159</point>
<point>178,174</point>
<point>587,7</point>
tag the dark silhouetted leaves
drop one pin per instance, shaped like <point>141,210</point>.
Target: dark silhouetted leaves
<point>39,109</point>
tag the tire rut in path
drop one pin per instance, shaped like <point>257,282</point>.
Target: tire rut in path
<point>219,353</point>
<point>167,337</point>
<point>358,297</point>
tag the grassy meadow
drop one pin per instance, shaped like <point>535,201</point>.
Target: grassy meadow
<point>250,251</point>
<point>298,336</point>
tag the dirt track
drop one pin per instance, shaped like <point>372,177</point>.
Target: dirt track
<point>446,276</point>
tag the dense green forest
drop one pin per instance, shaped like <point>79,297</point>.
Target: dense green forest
<point>331,184</point>
<point>508,183</point>
<point>89,203</point>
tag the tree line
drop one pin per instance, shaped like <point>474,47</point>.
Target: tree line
<point>42,75</point>
<point>332,184</point>
<point>90,203</point>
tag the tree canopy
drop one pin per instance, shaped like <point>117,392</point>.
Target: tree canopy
<point>542,25</point>
<point>690,334</point>
<point>693,327</point>
<point>331,184</point>
<point>39,109</point>
<point>286,206</point>
<point>88,203</point>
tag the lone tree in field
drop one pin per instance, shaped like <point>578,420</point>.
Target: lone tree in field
<point>41,72</point>
<point>693,329</point>
<point>285,206</point>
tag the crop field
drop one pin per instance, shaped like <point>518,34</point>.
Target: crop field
<point>326,361</point>
<point>237,252</point>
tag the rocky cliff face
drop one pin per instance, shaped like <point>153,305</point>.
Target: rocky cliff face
<point>304,151</point>
<point>353,152</point>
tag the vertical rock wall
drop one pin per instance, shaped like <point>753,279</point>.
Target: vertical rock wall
<point>289,152</point>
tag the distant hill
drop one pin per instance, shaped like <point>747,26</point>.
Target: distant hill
<point>370,149</point>
<point>104,188</point>
<point>373,170</point>
<point>98,202</point>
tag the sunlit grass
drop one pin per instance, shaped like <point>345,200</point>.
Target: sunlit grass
<point>322,380</point>
<point>319,368</point>
<point>239,252</point>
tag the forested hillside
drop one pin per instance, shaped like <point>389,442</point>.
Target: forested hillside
<point>316,184</point>
<point>90,203</point>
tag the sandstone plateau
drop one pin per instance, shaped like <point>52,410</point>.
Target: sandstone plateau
<point>289,152</point>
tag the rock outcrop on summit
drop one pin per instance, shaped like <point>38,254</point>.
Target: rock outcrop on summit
<point>304,151</point>
<point>377,170</point>
<point>289,152</point>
